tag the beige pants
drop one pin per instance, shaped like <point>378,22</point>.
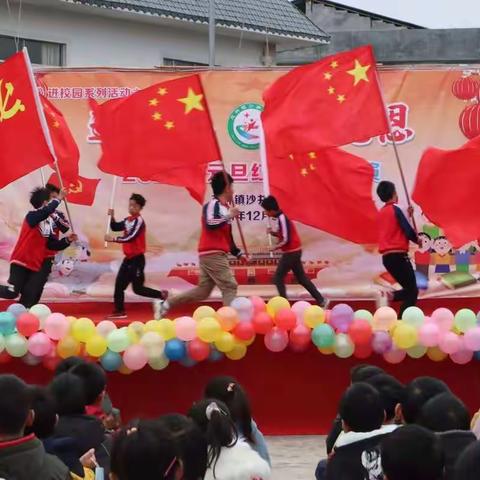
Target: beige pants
<point>214,270</point>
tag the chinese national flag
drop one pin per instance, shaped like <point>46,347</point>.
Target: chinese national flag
<point>23,147</point>
<point>80,191</point>
<point>64,144</point>
<point>332,102</point>
<point>162,133</point>
<point>446,189</point>
<point>328,189</point>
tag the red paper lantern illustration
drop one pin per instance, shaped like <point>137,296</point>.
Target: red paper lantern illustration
<point>465,88</point>
<point>469,121</point>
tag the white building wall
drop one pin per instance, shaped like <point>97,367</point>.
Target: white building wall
<point>93,40</point>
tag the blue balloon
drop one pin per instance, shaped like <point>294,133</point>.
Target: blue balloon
<point>111,361</point>
<point>16,309</point>
<point>476,355</point>
<point>175,349</point>
<point>188,362</point>
<point>7,323</point>
<point>215,355</point>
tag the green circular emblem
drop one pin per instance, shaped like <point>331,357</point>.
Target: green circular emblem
<point>244,125</point>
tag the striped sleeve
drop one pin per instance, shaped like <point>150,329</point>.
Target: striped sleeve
<point>129,236</point>
<point>213,215</point>
<point>283,230</point>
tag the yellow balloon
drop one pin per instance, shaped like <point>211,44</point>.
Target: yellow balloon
<point>203,312</point>
<point>394,325</point>
<point>326,350</point>
<point>249,341</point>
<point>153,326</point>
<point>138,328</point>
<point>277,303</point>
<point>68,347</point>
<point>125,370</point>
<point>436,355</point>
<point>405,336</point>
<point>166,328</point>
<point>96,346</point>
<point>225,342</point>
<point>313,316</point>
<point>83,329</point>
<point>237,353</point>
<point>209,329</point>
<point>270,311</point>
<point>159,363</point>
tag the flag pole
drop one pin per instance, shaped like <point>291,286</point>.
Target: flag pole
<point>211,33</point>
<point>46,131</point>
<point>112,201</point>
<point>42,176</point>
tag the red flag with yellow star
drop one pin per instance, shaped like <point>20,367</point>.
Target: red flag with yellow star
<point>162,133</point>
<point>332,102</point>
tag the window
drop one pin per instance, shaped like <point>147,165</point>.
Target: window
<point>174,62</point>
<point>41,53</point>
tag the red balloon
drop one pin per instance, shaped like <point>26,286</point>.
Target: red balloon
<point>300,338</point>
<point>51,360</point>
<point>362,351</point>
<point>469,121</point>
<point>5,358</point>
<point>465,88</point>
<point>198,350</point>
<point>262,323</point>
<point>360,332</point>
<point>244,331</point>
<point>27,324</point>
<point>285,319</point>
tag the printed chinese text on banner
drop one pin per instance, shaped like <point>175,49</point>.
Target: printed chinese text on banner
<point>23,145</point>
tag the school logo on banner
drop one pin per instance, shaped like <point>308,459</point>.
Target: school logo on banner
<point>244,125</point>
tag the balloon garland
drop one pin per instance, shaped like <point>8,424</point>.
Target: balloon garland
<point>38,336</point>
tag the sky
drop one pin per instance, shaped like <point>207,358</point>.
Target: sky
<point>426,13</point>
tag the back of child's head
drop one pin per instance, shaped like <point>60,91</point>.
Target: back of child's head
<point>229,391</point>
<point>412,453</point>
<point>386,191</point>
<point>45,413</point>
<point>39,196</point>
<point>138,199</point>
<point>67,364</point>
<point>270,203</point>
<point>392,392</point>
<point>15,405</point>
<point>68,390</point>
<point>417,393</point>
<point>143,453</point>
<point>219,184</point>
<point>94,380</point>
<point>52,188</point>
<point>444,412</point>
<point>361,408</point>
<point>363,371</point>
<point>468,463</point>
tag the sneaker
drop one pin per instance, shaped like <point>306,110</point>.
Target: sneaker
<point>381,298</point>
<point>325,303</point>
<point>116,316</point>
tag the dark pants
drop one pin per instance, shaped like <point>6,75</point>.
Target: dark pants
<point>32,292</point>
<point>292,261</point>
<point>17,281</point>
<point>398,265</point>
<point>132,272</point>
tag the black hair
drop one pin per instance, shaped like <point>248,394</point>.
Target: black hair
<point>52,188</point>
<point>423,234</point>
<point>412,452</point>
<point>270,203</point>
<point>190,442</point>
<point>44,408</point>
<point>69,393</point>
<point>15,402</point>
<point>67,364</point>
<point>143,453</point>
<point>39,196</point>
<point>392,392</point>
<point>444,412</point>
<point>361,408</point>
<point>386,190</point>
<point>213,418</point>
<point>229,391</point>
<point>94,378</point>
<point>138,199</point>
<point>417,393</point>
<point>219,184</point>
<point>363,371</point>
<point>468,463</point>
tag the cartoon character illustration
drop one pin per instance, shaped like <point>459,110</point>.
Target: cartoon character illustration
<point>463,257</point>
<point>442,258</point>
<point>423,255</point>
<point>65,267</point>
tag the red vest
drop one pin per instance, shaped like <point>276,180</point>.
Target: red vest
<point>391,236</point>
<point>216,235</point>
<point>31,247</point>
<point>134,237</point>
<point>288,239</point>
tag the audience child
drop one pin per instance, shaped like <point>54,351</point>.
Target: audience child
<point>392,392</point>
<point>356,454</point>
<point>22,455</point>
<point>412,453</point>
<point>448,416</point>
<point>229,456</point>
<point>468,464</point>
<point>229,391</point>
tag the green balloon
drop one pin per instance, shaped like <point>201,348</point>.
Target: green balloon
<point>363,315</point>
<point>16,345</point>
<point>343,347</point>
<point>413,316</point>
<point>118,340</point>
<point>2,343</point>
<point>323,336</point>
<point>417,351</point>
<point>465,319</point>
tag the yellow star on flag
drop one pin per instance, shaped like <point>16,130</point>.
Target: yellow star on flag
<point>312,167</point>
<point>359,73</point>
<point>341,98</point>
<point>157,116</point>
<point>192,101</point>
<point>327,76</point>
<point>334,64</point>
<point>290,156</point>
<point>56,124</point>
<point>162,91</point>
<point>331,90</point>
<point>153,102</point>
<point>169,125</point>
<point>304,172</point>
<point>312,155</point>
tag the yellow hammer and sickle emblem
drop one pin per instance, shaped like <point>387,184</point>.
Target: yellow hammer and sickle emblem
<point>5,112</point>
<point>75,188</point>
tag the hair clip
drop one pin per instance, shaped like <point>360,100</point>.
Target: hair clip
<point>131,430</point>
<point>213,407</point>
<point>170,467</point>
<point>231,387</point>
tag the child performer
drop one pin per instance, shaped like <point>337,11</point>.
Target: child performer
<point>216,242</point>
<point>133,265</point>
<point>290,245</point>
<point>395,232</point>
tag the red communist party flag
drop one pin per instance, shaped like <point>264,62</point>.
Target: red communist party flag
<point>446,189</point>
<point>328,189</point>
<point>332,102</point>
<point>162,133</point>
<point>81,190</point>
<point>23,147</point>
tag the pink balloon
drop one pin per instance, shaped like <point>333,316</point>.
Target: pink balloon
<point>394,355</point>
<point>472,339</point>
<point>429,334</point>
<point>462,357</point>
<point>105,327</point>
<point>39,344</point>
<point>298,308</point>
<point>56,326</point>
<point>276,340</point>
<point>443,317</point>
<point>185,328</point>
<point>450,343</point>
<point>135,357</point>
<point>259,304</point>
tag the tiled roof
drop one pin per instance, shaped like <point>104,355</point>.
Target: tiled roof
<point>275,17</point>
